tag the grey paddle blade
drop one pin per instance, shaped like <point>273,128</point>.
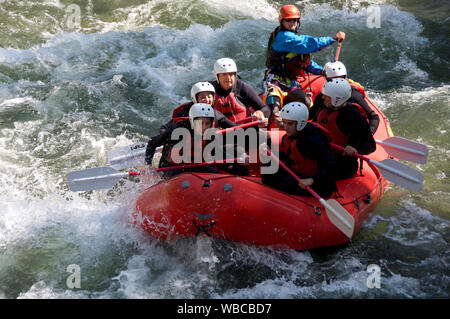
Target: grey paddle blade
<point>400,174</point>
<point>128,156</point>
<point>93,178</point>
<point>405,149</point>
<point>339,217</point>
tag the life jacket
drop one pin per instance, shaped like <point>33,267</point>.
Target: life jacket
<point>328,121</point>
<point>304,167</point>
<point>285,64</point>
<point>178,114</point>
<point>230,107</point>
<point>274,91</point>
<point>358,87</point>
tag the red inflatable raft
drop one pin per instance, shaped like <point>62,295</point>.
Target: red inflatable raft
<point>242,209</point>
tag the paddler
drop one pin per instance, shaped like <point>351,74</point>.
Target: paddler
<point>234,98</point>
<point>201,117</point>
<point>193,140</point>
<point>201,92</point>
<point>306,151</point>
<point>289,58</point>
<point>335,70</point>
<point>347,126</point>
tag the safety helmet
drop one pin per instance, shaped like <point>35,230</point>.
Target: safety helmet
<point>200,110</point>
<point>289,11</point>
<point>224,65</point>
<point>201,87</point>
<point>295,111</point>
<point>334,69</point>
<point>339,90</point>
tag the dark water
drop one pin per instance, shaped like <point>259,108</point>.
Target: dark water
<point>73,89</point>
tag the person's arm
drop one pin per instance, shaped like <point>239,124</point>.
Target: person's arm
<point>222,120</point>
<point>154,142</point>
<point>287,41</point>
<point>168,126</point>
<point>374,119</point>
<point>354,124</point>
<point>249,97</point>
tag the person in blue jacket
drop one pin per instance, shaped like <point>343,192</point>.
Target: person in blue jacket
<point>289,57</point>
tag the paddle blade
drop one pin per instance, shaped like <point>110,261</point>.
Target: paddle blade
<point>400,174</point>
<point>93,178</point>
<point>128,156</point>
<point>339,217</point>
<point>405,149</point>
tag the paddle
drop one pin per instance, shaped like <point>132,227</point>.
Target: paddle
<point>128,156</point>
<point>405,149</point>
<point>107,177</point>
<point>338,50</point>
<point>337,215</point>
<point>230,129</point>
<point>394,171</point>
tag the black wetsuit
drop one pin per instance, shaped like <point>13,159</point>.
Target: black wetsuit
<point>313,145</point>
<point>357,98</point>
<point>354,125</point>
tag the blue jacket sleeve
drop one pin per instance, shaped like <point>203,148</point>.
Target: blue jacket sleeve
<point>314,68</point>
<point>287,41</point>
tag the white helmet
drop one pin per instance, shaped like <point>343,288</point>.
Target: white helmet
<point>224,65</point>
<point>338,89</point>
<point>201,87</point>
<point>295,111</point>
<point>334,69</point>
<point>200,110</point>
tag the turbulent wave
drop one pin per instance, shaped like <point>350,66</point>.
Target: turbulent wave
<point>69,93</point>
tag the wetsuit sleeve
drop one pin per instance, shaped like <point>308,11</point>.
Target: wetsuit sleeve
<point>373,117</point>
<point>354,124</point>
<point>249,97</point>
<point>222,120</point>
<point>156,141</point>
<point>168,126</point>
<point>287,41</point>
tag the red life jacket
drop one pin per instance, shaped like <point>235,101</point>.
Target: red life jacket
<point>230,107</point>
<point>178,110</point>
<point>328,121</point>
<point>302,166</point>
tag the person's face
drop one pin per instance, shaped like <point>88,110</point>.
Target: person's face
<point>205,97</point>
<point>327,101</point>
<point>290,127</point>
<point>201,124</point>
<point>290,24</point>
<point>226,80</point>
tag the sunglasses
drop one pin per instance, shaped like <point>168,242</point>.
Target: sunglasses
<point>292,20</point>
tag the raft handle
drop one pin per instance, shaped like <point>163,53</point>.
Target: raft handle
<point>207,182</point>
<point>368,199</point>
<point>317,211</point>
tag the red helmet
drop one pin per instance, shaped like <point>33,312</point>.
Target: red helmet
<point>289,11</point>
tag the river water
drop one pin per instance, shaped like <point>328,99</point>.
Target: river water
<point>81,77</point>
